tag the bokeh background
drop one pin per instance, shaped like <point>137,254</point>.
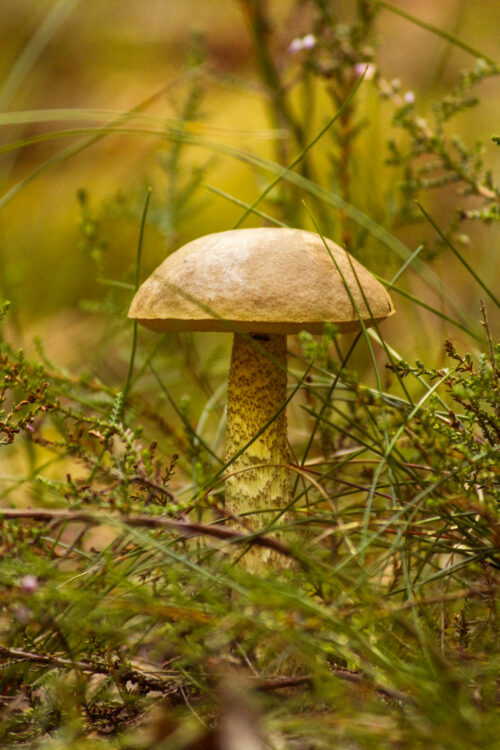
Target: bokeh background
<point>198,58</point>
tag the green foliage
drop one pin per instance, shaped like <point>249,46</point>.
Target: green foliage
<point>91,242</point>
<point>126,618</point>
<point>433,158</point>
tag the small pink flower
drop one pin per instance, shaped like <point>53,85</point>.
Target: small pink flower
<point>309,41</point>
<point>29,584</point>
<point>409,97</point>
<point>30,427</point>
<point>302,42</point>
<point>360,68</point>
<point>295,46</point>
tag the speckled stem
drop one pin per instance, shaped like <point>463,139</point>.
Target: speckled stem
<point>256,391</point>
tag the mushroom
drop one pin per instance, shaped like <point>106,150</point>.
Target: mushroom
<point>262,284</point>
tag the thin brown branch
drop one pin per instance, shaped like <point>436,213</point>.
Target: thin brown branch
<point>485,324</point>
<point>281,683</point>
<point>169,686</point>
<point>360,487</point>
<point>123,675</point>
<point>358,679</point>
<point>188,528</point>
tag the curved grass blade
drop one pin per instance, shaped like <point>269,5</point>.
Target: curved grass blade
<point>126,387</point>
<point>179,413</point>
<point>387,284</point>
<point>438,32</point>
<point>33,49</point>
<point>375,229</point>
<point>302,154</point>
<point>37,116</point>
<point>457,254</point>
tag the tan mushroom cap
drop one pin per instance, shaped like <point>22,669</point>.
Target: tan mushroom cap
<point>267,280</point>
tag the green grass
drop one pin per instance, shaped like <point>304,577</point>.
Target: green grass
<point>127,616</point>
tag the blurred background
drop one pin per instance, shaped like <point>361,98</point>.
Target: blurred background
<point>69,222</point>
<point>199,104</point>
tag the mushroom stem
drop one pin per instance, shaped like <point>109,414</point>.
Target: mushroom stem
<point>256,392</point>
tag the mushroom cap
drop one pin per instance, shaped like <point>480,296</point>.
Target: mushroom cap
<point>267,280</point>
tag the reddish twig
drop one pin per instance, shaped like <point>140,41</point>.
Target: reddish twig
<point>189,528</point>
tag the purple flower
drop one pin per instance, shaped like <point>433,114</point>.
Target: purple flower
<point>309,41</point>
<point>295,46</point>
<point>360,68</point>
<point>29,584</point>
<point>302,42</point>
